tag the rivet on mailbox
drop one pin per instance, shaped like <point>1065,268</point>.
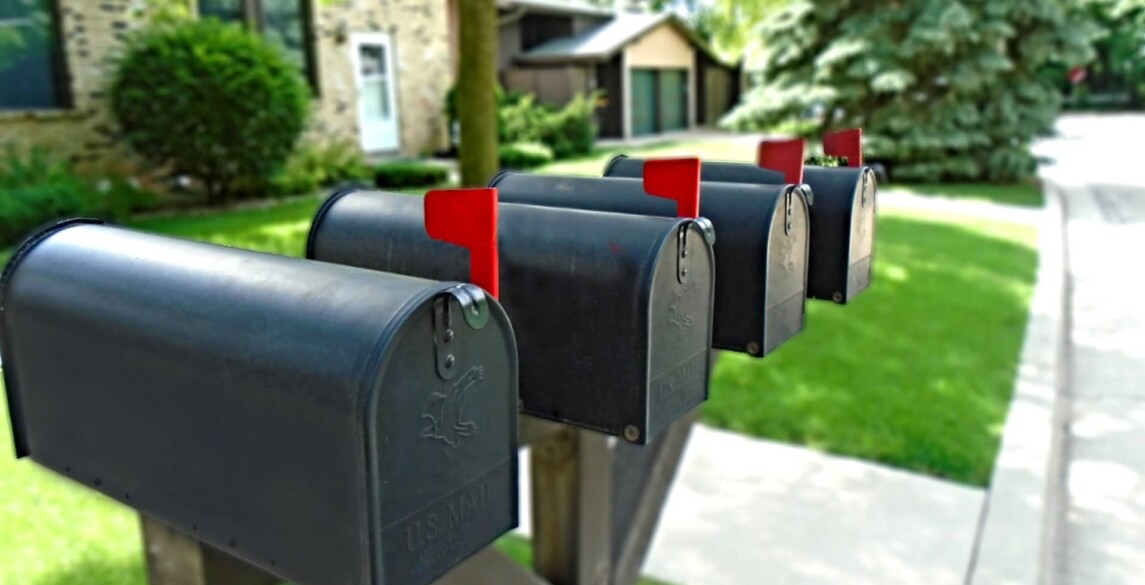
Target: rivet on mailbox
<point>761,255</point>
<point>612,312</point>
<point>289,412</point>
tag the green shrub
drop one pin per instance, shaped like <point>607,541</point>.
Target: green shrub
<point>319,165</point>
<point>209,100</point>
<point>37,189</point>
<point>569,131</point>
<point>826,161</point>
<point>398,175</point>
<point>525,155</point>
<point>572,130</point>
<point>523,120</point>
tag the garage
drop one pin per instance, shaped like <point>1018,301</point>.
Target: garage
<point>659,100</point>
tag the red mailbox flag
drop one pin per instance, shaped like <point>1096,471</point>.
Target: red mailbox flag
<point>677,179</point>
<point>848,143</point>
<point>784,155</point>
<point>468,218</point>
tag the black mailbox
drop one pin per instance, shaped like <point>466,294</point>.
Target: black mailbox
<point>761,255</point>
<point>292,413</point>
<point>842,202</point>
<point>612,312</point>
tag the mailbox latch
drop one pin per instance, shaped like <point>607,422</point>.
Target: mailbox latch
<point>866,193</point>
<point>789,211</point>
<point>682,254</point>
<point>474,306</point>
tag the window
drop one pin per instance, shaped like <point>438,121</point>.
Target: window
<point>284,22</point>
<point>31,62</point>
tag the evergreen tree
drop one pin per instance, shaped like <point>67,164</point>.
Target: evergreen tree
<point>943,89</point>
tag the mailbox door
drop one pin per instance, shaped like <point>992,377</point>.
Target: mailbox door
<point>680,321</point>
<point>787,263</point>
<point>444,445</point>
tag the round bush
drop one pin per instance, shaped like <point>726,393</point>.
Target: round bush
<point>209,100</point>
<point>525,155</point>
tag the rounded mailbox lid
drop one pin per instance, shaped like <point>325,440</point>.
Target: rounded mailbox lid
<point>445,451</point>
<point>787,265</point>
<point>680,325</point>
<point>860,264</point>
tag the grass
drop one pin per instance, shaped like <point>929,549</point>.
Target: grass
<point>918,371</point>
<point>279,229</point>
<point>520,549</point>
<point>1022,194</point>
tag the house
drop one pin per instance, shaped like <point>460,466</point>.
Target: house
<point>656,74</point>
<point>379,69</point>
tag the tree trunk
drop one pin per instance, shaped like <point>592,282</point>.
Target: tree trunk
<point>476,91</point>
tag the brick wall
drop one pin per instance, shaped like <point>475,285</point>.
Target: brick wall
<point>424,71</point>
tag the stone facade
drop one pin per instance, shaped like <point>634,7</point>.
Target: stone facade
<point>93,33</point>
<point>94,30</point>
<point>424,70</point>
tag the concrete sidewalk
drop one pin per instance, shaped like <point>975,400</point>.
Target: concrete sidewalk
<point>747,511</point>
<point>1102,541</point>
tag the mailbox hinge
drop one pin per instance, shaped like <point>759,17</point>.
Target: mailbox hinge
<point>474,306</point>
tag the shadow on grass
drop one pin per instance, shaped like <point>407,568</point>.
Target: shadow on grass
<point>104,571</point>
<point>917,372</point>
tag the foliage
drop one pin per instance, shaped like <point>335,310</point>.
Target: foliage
<point>569,131</point>
<point>38,189</point>
<point>168,11</point>
<point>1119,70</point>
<point>315,165</point>
<point>826,161</point>
<point>209,100</point>
<point>525,155</point>
<point>396,175</point>
<point>943,90</point>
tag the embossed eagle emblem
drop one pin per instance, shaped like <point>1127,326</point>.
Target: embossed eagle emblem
<point>678,311</point>
<point>444,413</point>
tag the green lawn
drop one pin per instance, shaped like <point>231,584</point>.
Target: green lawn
<point>521,550</point>
<point>1023,194</point>
<point>918,371</point>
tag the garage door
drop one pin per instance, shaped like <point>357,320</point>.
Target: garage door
<point>643,106</point>
<point>673,99</point>
<point>658,100</point>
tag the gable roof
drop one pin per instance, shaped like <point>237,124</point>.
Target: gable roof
<point>557,7</point>
<point>608,39</point>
